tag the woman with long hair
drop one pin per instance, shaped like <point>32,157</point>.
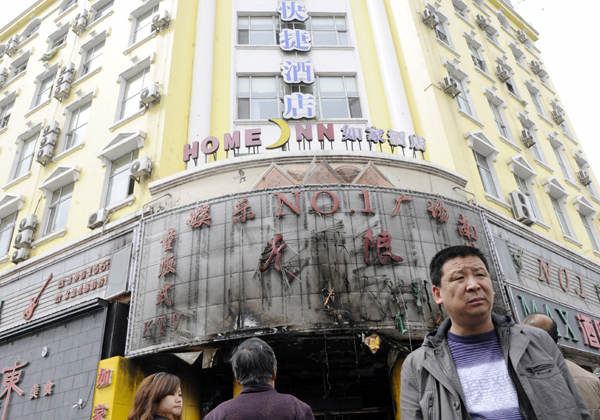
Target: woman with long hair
<point>158,398</point>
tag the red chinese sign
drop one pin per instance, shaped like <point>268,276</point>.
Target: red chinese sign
<point>104,378</point>
<point>438,211</point>
<point>163,295</point>
<point>466,231</point>
<point>274,251</point>
<point>199,217</point>
<point>99,412</point>
<point>242,211</point>
<point>12,375</point>
<point>383,246</point>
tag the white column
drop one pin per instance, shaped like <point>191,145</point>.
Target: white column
<point>202,73</point>
<point>389,66</point>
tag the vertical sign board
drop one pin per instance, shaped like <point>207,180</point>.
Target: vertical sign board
<point>294,258</point>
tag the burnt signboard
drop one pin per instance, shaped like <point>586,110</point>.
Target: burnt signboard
<point>303,258</point>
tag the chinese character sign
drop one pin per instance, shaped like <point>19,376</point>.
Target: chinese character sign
<point>12,375</point>
<point>104,378</point>
<point>292,10</point>
<point>294,40</point>
<point>298,72</point>
<point>352,133</point>
<point>99,412</point>
<point>300,105</point>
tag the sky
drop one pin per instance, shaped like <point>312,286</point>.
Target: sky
<point>564,36</point>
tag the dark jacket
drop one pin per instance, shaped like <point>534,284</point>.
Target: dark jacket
<point>431,389</point>
<point>261,401</point>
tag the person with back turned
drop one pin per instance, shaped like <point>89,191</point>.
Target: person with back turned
<point>587,382</point>
<point>480,365</point>
<point>255,368</point>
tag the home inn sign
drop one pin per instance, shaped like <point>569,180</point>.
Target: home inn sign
<point>300,258</point>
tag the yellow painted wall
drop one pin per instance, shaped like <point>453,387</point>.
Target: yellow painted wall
<point>395,382</point>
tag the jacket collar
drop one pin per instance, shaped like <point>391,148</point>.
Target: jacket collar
<point>437,337</point>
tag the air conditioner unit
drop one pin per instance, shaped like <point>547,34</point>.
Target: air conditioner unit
<point>535,66</point>
<point>49,139</point>
<point>140,167</point>
<point>45,154</point>
<point>481,21</point>
<point>502,73</point>
<point>67,77</point>
<point>23,239</point>
<point>80,22</point>
<point>62,91</point>
<point>521,36</point>
<point>430,18</point>
<point>12,46</point>
<point>51,128</point>
<point>451,86</point>
<point>557,116</point>
<point>97,219</point>
<point>20,255</point>
<point>28,223</point>
<point>584,177</point>
<point>520,207</point>
<point>160,20</point>
<point>67,68</point>
<point>527,138</point>
<point>3,75</point>
<point>149,95</point>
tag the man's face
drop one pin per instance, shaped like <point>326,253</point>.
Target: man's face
<point>466,292</point>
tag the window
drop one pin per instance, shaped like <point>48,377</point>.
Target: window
<point>142,21</point>
<point>590,230</point>
<point>77,125</point>
<point>559,211</point>
<point>525,188</point>
<point>58,211</point>
<point>66,4</point>
<point>261,97</point>
<point>491,34</point>
<point>31,30</point>
<point>485,154</point>
<point>58,38</point>
<point>5,111</point>
<point>558,148</point>
<point>499,119</point>
<point>442,31</point>
<point>92,58</point>
<point>120,184</point>
<point>25,154</point>
<point>264,30</point>
<point>59,41</point>
<point>102,8</point>
<point>7,228</point>
<point>44,90</point>
<point>476,55</point>
<point>461,9</point>
<point>486,174</point>
<point>518,55</point>
<point>19,65</point>
<point>536,98</point>
<point>566,130</point>
<point>130,102</point>
<point>465,103</point>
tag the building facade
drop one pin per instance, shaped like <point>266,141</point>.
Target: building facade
<point>283,170</point>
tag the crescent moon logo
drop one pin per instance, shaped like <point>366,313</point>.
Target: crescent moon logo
<point>285,134</point>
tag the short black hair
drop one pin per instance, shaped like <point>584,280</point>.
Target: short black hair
<point>459,251</point>
<point>253,362</point>
<point>543,322</point>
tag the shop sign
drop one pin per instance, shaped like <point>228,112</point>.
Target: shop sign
<point>352,136</point>
<point>576,329</point>
<point>304,257</point>
<point>11,378</point>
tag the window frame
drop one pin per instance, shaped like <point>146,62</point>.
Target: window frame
<point>136,15</point>
<point>53,209</point>
<point>482,145</point>
<point>18,66</point>
<point>282,91</point>
<point>110,175</point>
<point>124,78</point>
<point>32,135</point>
<point>60,34</point>
<point>48,75</point>
<point>6,111</point>
<point>524,176</point>
<point>462,79</point>
<point>104,6</point>
<point>558,196</point>
<point>9,227</point>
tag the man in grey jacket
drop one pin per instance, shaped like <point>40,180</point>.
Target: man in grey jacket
<point>479,365</point>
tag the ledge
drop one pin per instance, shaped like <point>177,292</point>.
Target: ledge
<point>516,98</point>
<point>498,47</point>
<point>68,152</point>
<point>572,184</point>
<point>545,119</point>
<point>464,20</point>
<point>28,40</point>
<point>524,68</point>
<point>16,180</point>
<point>140,42</point>
<point>484,74</point>
<point>573,241</point>
<point>544,165</point>
<point>498,201</point>
<point>470,118</point>
<point>4,258</point>
<point>37,108</point>
<point>448,47</point>
<point>542,224</point>
<point>65,12</point>
<point>570,138</point>
<point>224,166</point>
<point>128,201</point>
<point>125,120</point>
<point>18,76</point>
<point>85,77</point>
<point>97,21</point>
<point>547,86</point>
<point>511,144</point>
<point>4,129</point>
<point>59,232</point>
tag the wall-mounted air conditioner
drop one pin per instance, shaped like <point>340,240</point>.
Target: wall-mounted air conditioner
<point>557,116</point>
<point>20,255</point>
<point>149,95</point>
<point>520,207</point>
<point>140,167</point>
<point>451,86</point>
<point>23,239</point>
<point>80,22</point>
<point>584,177</point>
<point>481,21</point>
<point>160,20</point>
<point>430,18</point>
<point>527,138</point>
<point>97,219</point>
<point>44,154</point>
<point>502,73</point>
<point>29,222</point>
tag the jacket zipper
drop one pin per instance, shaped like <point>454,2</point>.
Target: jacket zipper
<point>430,409</point>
